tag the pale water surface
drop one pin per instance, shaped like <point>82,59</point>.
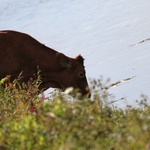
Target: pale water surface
<point>103,31</point>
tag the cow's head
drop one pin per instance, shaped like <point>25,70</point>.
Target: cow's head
<point>73,73</point>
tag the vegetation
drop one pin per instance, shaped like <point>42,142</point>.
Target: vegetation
<point>28,123</point>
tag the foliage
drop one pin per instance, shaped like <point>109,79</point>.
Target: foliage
<point>60,124</point>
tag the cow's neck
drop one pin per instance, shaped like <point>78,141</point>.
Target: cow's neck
<point>51,78</point>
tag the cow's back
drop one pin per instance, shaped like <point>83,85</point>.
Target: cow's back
<point>16,42</point>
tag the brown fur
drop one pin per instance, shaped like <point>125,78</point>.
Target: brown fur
<point>20,52</point>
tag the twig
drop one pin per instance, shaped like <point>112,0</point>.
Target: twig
<point>140,42</point>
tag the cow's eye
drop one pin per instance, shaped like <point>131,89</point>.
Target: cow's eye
<point>81,75</point>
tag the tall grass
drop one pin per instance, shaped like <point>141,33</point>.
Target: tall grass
<point>28,123</point>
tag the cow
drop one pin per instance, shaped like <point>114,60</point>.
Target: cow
<point>19,52</point>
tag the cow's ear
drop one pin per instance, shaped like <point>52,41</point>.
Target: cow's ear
<point>64,61</point>
<point>80,59</point>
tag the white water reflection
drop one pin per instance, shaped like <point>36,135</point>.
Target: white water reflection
<point>102,31</point>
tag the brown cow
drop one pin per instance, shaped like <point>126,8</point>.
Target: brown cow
<point>20,52</point>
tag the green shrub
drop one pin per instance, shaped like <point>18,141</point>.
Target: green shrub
<point>60,124</point>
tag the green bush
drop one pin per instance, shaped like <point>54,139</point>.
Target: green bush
<point>60,124</point>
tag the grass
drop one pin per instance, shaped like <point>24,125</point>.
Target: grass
<point>28,123</point>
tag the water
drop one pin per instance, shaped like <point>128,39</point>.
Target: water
<point>102,31</point>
